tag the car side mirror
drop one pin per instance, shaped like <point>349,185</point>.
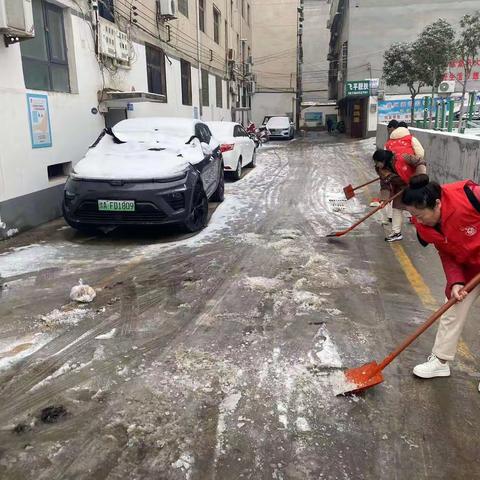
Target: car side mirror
<point>206,149</point>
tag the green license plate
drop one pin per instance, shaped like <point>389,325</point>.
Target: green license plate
<point>116,205</point>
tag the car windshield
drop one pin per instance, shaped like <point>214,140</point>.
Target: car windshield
<point>221,129</point>
<point>278,122</point>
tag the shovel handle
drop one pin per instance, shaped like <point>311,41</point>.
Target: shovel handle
<point>430,321</point>
<point>368,183</point>
<point>375,210</point>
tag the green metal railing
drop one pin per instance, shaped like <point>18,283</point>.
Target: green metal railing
<point>444,121</point>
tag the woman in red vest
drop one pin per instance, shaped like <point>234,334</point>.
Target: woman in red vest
<point>448,216</point>
<point>395,172</point>
<point>408,160</point>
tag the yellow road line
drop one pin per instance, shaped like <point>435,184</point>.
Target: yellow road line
<point>415,279</point>
<point>422,290</point>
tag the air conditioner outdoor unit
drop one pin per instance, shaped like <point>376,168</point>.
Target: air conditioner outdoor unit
<point>16,18</point>
<point>446,87</point>
<point>168,9</point>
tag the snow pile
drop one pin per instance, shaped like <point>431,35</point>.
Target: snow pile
<point>82,293</point>
<point>63,317</point>
<point>13,351</point>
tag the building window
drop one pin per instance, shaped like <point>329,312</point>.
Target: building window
<point>205,89</point>
<point>186,73</point>
<point>243,8</point>
<point>231,13</point>
<point>105,10</point>
<point>156,77</point>
<point>219,91</point>
<point>216,25</point>
<point>248,13</point>
<point>201,15</point>
<point>44,57</point>
<point>238,44</point>
<point>183,7</point>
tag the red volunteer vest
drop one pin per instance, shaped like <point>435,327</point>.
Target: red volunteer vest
<point>398,147</point>
<point>460,237</point>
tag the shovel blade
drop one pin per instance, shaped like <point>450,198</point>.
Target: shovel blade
<point>361,378</point>
<point>349,192</point>
<point>333,234</point>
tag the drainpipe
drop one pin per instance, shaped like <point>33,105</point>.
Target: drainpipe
<point>197,16</point>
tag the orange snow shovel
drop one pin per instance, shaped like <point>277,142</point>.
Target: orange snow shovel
<point>356,224</point>
<point>360,378</point>
<point>349,191</point>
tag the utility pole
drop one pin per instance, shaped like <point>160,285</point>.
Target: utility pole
<point>298,92</point>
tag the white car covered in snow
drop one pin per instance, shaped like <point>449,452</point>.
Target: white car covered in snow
<point>146,171</point>
<point>237,148</point>
<point>280,127</point>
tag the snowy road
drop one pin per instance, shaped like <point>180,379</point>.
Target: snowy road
<point>218,356</point>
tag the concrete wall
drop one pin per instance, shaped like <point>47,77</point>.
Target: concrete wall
<point>450,157</point>
<point>316,37</point>
<point>274,57</point>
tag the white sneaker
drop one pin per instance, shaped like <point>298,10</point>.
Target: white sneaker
<point>433,367</point>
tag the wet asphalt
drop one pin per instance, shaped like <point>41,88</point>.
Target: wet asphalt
<point>217,356</point>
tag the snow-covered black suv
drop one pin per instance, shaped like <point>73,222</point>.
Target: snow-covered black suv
<point>146,171</point>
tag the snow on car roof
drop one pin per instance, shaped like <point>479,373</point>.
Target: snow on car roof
<point>222,129</point>
<point>144,129</point>
<point>278,122</point>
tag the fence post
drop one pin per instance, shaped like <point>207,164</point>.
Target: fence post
<point>450,114</point>
<point>442,126</point>
<point>425,111</point>
<point>435,126</point>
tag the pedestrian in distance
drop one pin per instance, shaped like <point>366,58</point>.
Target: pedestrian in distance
<point>329,125</point>
<point>408,160</point>
<point>448,217</point>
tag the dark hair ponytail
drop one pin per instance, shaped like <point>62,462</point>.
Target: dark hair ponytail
<point>385,157</point>
<point>422,193</point>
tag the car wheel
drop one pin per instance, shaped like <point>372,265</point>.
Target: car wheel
<point>237,174</point>
<point>219,194</point>
<point>198,216</point>
<point>253,163</point>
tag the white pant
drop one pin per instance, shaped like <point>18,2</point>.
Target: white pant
<point>397,220</point>
<point>451,327</point>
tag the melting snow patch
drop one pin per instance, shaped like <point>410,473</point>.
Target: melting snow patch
<point>325,353</point>
<point>14,351</point>
<point>185,462</point>
<point>107,336</point>
<point>262,283</point>
<point>30,258</point>
<point>64,317</point>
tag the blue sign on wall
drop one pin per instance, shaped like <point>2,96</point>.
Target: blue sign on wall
<point>316,117</point>
<point>39,118</point>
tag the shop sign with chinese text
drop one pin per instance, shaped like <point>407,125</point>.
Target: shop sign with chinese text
<point>357,88</point>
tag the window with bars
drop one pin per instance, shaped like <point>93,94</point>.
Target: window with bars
<point>183,7</point>
<point>156,76</point>
<point>201,15</point>
<point>205,89</point>
<point>44,57</point>
<point>219,91</point>
<point>216,25</point>
<point>186,74</point>
<point>105,10</point>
